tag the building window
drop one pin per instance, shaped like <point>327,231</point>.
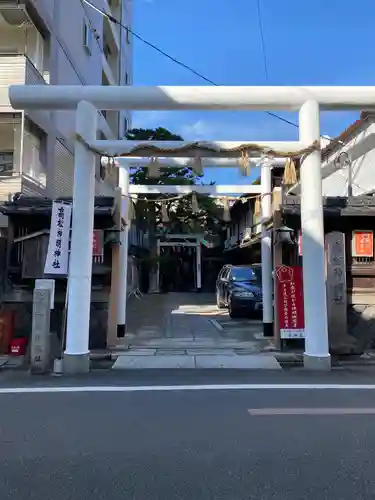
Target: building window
<point>87,37</point>
<point>126,78</point>
<point>6,163</point>
<point>34,153</point>
<point>32,160</point>
<point>128,35</point>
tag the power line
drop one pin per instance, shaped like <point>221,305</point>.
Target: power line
<point>192,70</point>
<point>82,2</point>
<point>262,39</point>
<point>171,58</point>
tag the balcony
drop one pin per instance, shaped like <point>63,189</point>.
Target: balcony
<point>111,58</point>
<point>108,71</point>
<point>112,117</point>
<point>113,7</point>
<point>16,69</point>
<point>22,166</point>
<point>13,12</point>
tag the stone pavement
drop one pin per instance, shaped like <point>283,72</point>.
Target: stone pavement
<point>10,362</point>
<point>184,331</point>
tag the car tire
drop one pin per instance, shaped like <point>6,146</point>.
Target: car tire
<point>219,304</point>
<point>233,313</point>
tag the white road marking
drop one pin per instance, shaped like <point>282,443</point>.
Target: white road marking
<point>216,324</point>
<point>271,412</point>
<point>174,388</point>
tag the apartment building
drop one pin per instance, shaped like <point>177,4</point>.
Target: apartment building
<point>63,42</point>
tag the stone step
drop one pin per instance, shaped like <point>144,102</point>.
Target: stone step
<point>218,346</point>
<point>230,361</point>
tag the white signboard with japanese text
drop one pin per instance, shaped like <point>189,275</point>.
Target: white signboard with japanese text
<point>57,260</point>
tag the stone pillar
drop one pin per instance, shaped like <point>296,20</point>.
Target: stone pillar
<point>40,335</point>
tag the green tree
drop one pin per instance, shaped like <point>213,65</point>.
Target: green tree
<point>181,217</point>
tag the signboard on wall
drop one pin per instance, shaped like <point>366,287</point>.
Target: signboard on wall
<point>97,243</point>
<point>362,243</point>
<point>289,286</point>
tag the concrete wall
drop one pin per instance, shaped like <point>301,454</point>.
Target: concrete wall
<point>72,64</point>
<point>363,179</point>
<point>126,73</point>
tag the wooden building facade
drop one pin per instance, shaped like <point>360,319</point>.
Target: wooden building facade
<point>24,245</point>
<point>354,219</point>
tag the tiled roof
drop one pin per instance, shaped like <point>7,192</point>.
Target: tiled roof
<point>37,205</point>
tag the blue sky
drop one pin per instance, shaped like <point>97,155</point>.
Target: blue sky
<point>319,42</point>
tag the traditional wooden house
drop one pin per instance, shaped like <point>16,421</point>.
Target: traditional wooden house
<point>242,243</point>
<point>24,246</point>
<point>348,186</point>
<point>350,282</point>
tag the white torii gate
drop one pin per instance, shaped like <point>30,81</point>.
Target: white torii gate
<point>125,163</point>
<point>88,99</point>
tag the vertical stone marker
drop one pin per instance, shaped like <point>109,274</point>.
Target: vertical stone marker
<point>40,336</point>
<point>336,289</point>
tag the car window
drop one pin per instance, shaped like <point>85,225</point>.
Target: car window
<point>245,274</point>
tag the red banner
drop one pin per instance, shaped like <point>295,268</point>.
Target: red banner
<point>97,243</point>
<point>363,244</point>
<point>290,302</point>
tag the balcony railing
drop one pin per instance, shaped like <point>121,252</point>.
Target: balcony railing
<point>16,69</point>
<point>33,76</point>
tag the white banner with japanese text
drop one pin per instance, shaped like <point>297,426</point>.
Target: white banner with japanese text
<point>57,260</point>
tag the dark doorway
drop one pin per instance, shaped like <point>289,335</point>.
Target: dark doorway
<point>177,269</point>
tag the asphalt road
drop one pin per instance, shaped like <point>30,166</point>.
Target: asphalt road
<point>186,444</point>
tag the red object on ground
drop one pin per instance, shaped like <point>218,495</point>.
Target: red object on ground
<point>18,346</point>
<point>290,302</point>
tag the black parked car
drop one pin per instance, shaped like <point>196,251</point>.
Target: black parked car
<point>240,289</point>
